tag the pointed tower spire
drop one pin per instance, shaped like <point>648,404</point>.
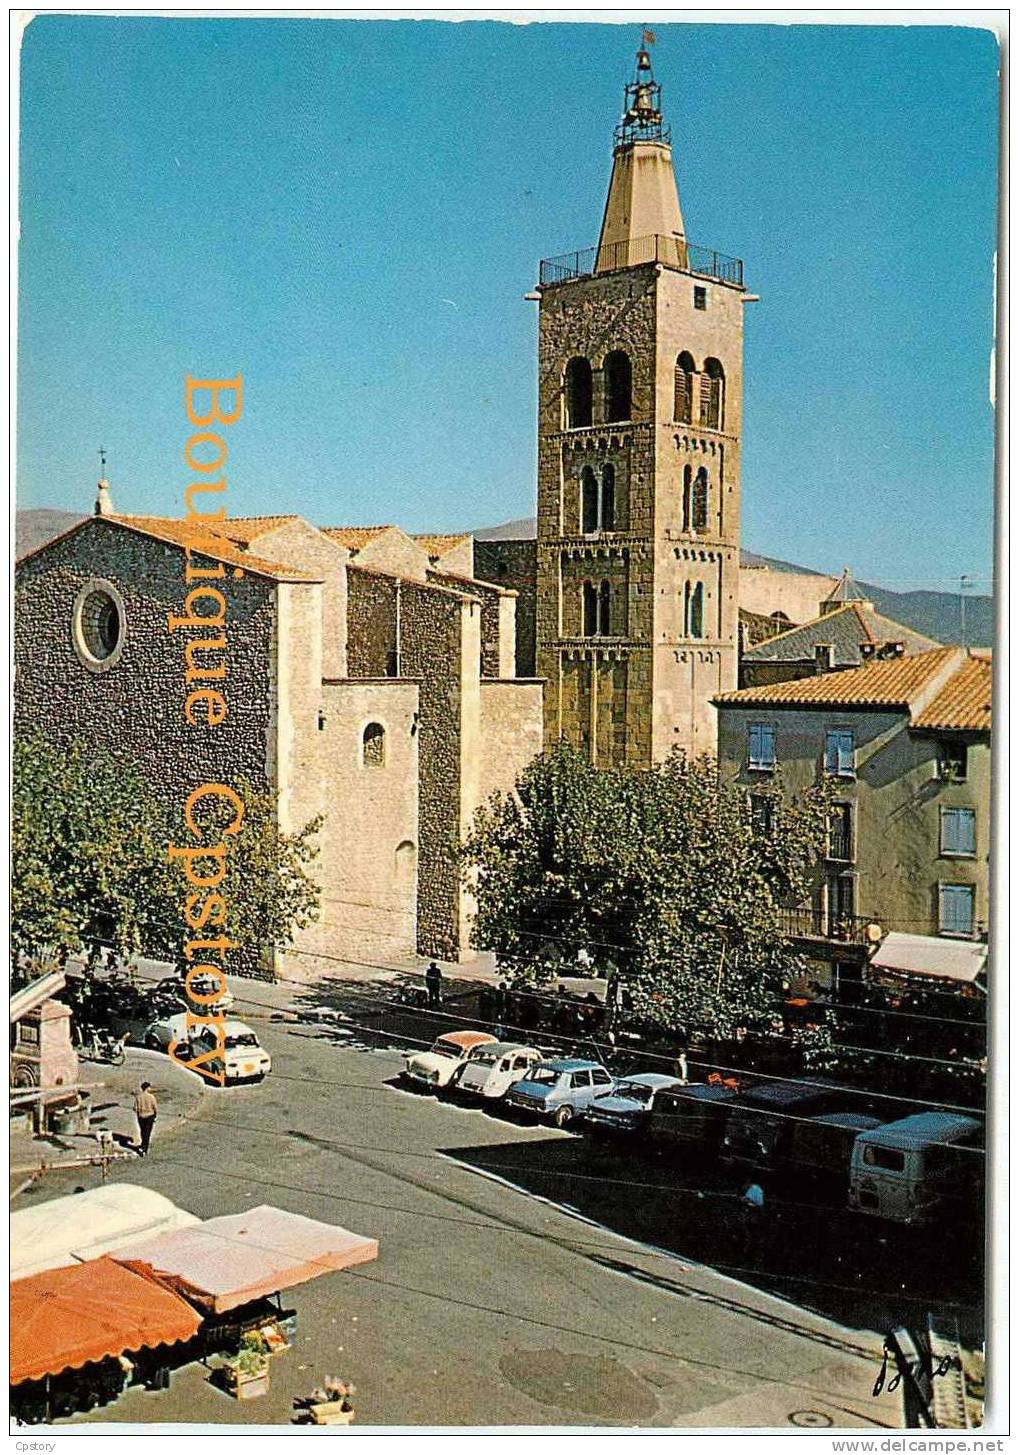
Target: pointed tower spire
<point>104,499</point>
<point>643,222</point>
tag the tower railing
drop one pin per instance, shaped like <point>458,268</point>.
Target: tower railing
<point>671,252</point>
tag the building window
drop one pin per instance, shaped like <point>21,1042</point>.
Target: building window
<point>373,745</point>
<point>839,754</point>
<point>578,392</point>
<point>712,395</point>
<point>590,598</point>
<point>683,399</point>
<point>761,747</point>
<point>959,832</point>
<point>762,814</point>
<point>699,500</point>
<point>97,625</point>
<point>840,893</point>
<point>618,386</point>
<point>955,909</point>
<point>693,609</point>
<point>840,832</point>
<point>687,495</point>
<point>604,610</point>
<point>588,501</point>
<point>952,760</point>
<point>700,297</point>
<point>608,497</point>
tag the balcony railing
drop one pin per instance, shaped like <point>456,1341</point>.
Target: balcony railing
<point>672,252</point>
<point>840,845</point>
<point>823,924</point>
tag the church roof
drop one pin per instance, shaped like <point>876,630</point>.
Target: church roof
<point>846,589</point>
<point>355,537</point>
<point>439,545</point>
<point>846,629</point>
<point>247,528</point>
<point>215,547</point>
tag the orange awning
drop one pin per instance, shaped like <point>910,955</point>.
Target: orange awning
<point>224,1262</point>
<point>67,1317</point>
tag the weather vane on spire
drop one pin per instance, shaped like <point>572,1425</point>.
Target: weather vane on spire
<point>102,460</point>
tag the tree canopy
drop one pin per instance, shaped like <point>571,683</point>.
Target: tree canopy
<point>663,876</point>
<point>89,862</point>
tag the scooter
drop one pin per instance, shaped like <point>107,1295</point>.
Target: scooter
<point>97,1045</point>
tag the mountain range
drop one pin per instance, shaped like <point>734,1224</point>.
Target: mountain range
<point>935,614</point>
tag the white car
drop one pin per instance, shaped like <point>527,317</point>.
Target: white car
<point>492,1070</point>
<point>242,1057</point>
<point>449,1053</point>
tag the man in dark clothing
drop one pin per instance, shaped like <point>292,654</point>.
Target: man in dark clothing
<point>433,981</point>
<point>146,1110</point>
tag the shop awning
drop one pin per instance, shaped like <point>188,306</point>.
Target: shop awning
<point>84,1225</point>
<point>68,1317</point>
<point>959,960</point>
<point>225,1262</point>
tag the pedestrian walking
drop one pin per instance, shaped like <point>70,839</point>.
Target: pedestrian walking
<point>433,983</point>
<point>751,1215</point>
<point>682,1068</point>
<point>146,1109</point>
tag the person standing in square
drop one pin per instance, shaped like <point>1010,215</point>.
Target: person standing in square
<point>146,1109</point>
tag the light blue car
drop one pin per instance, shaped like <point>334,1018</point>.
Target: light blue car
<point>560,1090</point>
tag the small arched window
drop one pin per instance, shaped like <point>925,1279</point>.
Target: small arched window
<point>373,746</point>
<point>406,861</point>
<point>604,610</point>
<point>683,406</point>
<point>578,392</point>
<point>687,496</point>
<point>699,501</point>
<point>693,609</point>
<point>618,386</point>
<point>590,609</point>
<point>712,395</point>
<point>608,497</point>
<point>588,501</point>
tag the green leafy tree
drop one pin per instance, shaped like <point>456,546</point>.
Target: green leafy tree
<point>662,876</point>
<point>90,865</point>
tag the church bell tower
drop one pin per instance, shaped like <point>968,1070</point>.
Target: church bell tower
<point>640,391</point>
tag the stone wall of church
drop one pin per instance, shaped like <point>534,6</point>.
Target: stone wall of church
<point>431,653</point>
<point>135,708</point>
<point>513,565</point>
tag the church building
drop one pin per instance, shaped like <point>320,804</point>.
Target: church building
<point>390,683</point>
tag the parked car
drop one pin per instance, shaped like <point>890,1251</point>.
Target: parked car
<point>174,987</point>
<point>760,1126</point>
<point>822,1148</point>
<point>909,1170</point>
<point>560,1089</point>
<point>626,1108</point>
<point>688,1119</point>
<point>243,1057</point>
<point>449,1053</point>
<point>492,1070</point>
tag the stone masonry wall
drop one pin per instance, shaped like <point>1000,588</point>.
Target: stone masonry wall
<point>136,707</point>
<point>513,565</point>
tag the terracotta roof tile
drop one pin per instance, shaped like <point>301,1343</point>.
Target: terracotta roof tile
<point>354,537</point>
<point>439,545</point>
<point>892,683</point>
<point>246,528</point>
<point>964,703</point>
<point>217,548</point>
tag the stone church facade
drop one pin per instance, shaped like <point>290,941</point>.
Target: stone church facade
<point>371,681</point>
<point>391,683</point>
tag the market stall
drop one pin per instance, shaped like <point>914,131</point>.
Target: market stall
<point>80,1334</point>
<point>69,1230</point>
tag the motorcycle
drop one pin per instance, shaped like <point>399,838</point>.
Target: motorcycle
<point>99,1045</point>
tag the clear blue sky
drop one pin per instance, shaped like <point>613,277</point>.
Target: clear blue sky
<point>350,212</point>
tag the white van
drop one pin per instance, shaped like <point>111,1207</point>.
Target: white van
<point>492,1071</point>
<point>907,1170</point>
